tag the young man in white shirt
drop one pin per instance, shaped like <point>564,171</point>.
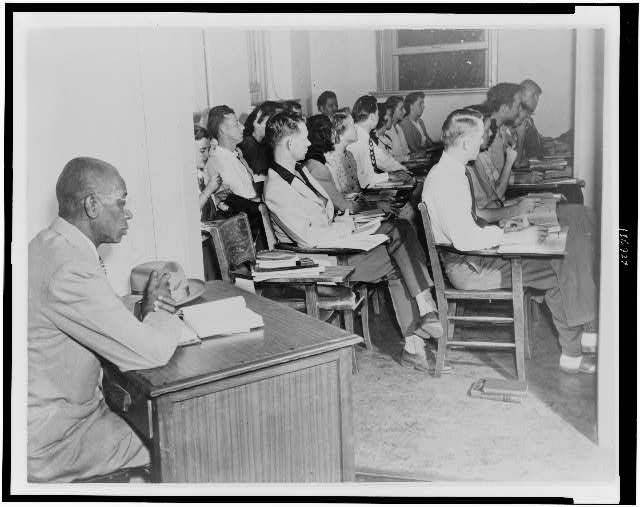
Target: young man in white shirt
<point>570,291</point>
<point>230,178</point>
<point>303,212</point>
<point>374,164</point>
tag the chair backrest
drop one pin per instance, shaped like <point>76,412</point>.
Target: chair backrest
<point>436,267</point>
<point>233,244</point>
<point>268,227</point>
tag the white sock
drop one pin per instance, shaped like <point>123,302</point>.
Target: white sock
<point>589,339</point>
<point>414,345</point>
<point>570,361</point>
<point>425,302</point>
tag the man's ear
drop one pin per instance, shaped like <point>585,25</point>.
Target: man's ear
<point>91,206</point>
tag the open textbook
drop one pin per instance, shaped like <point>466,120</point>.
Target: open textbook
<point>222,317</point>
<point>554,243</point>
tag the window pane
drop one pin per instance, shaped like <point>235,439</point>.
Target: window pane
<point>410,38</point>
<point>439,71</point>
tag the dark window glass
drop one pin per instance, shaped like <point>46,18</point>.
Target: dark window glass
<point>411,38</point>
<point>445,70</point>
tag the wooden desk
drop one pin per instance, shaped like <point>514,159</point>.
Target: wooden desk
<point>572,191</point>
<point>273,405</point>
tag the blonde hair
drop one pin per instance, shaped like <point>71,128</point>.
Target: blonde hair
<point>458,124</point>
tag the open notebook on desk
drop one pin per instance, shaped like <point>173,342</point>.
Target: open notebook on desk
<point>217,318</point>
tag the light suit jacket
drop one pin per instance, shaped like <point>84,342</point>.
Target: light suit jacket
<point>298,213</point>
<point>73,313</point>
<point>412,136</point>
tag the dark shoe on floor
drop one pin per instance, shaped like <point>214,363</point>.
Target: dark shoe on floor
<point>415,361</point>
<point>429,326</point>
<point>587,365</point>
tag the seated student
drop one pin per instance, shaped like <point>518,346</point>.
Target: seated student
<point>203,147</point>
<point>412,125</point>
<point>303,212</point>
<point>529,140</point>
<point>230,179</point>
<point>399,147</point>
<point>340,162</point>
<point>374,164</point>
<point>75,317</point>
<point>252,147</point>
<point>327,103</point>
<point>568,282</point>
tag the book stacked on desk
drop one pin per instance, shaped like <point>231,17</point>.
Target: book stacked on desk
<point>282,264</point>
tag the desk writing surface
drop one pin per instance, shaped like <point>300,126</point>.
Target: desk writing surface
<point>287,335</point>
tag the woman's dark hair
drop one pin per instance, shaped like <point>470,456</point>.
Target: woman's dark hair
<point>199,132</point>
<point>392,102</point>
<point>265,110</point>
<point>324,96</point>
<point>320,135</point>
<point>382,113</point>
<point>364,106</point>
<point>411,99</point>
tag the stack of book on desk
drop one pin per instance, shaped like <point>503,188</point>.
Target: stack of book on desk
<point>282,264</point>
<point>218,318</point>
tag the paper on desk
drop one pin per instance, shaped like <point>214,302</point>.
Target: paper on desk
<point>172,325</point>
<point>554,243</point>
<point>364,242</point>
<point>225,316</point>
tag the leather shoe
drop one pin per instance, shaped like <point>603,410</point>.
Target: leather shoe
<point>587,365</point>
<point>429,326</point>
<point>415,361</point>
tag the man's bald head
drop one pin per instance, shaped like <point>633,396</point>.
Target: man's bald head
<point>83,176</point>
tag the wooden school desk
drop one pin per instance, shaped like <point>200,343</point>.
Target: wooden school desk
<point>273,405</point>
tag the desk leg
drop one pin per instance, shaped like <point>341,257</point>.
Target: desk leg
<point>311,300</point>
<point>518,314</point>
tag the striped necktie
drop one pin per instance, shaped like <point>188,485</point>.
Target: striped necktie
<point>102,265</point>
<point>372,155</point>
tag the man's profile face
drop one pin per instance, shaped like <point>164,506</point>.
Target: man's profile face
<point>299,142</point>
<point>232,128</point>
<point>418,107</point>
<point>398,114</point>
<point>113,217</point>
<point>330,107</point>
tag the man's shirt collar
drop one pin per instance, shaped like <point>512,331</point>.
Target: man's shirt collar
<point>75,236</point>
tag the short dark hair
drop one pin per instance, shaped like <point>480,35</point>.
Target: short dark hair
<point>382,113</point>
<point>364,106</point>
<point>530,83</point>
<point>281,125</point>
<point>501,94</point>
<point>483,109</point>
<point>215,119</point>
<point>199,132</point>
<point>324,96</point>
<point>411,99</point>
<point>458,123</point>
<point>266,109</point>
<point>320,130</point>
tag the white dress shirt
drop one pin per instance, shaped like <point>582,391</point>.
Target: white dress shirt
<point>448,198</point>
<point>235,175</point>
<point>360,151</point>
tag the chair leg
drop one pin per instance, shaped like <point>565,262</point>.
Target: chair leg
<point>354,360</point>
<point>363,292</point>
<point>528,325</point>
<point>452,311</point>
<point>375,298</point>
<point>347,316</point>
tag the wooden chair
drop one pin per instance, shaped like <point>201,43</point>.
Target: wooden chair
<point>236,254</point>
<point>450,307</point>
<point>341,254</point>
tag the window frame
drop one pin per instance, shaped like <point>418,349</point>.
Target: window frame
<point>388,54</point>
